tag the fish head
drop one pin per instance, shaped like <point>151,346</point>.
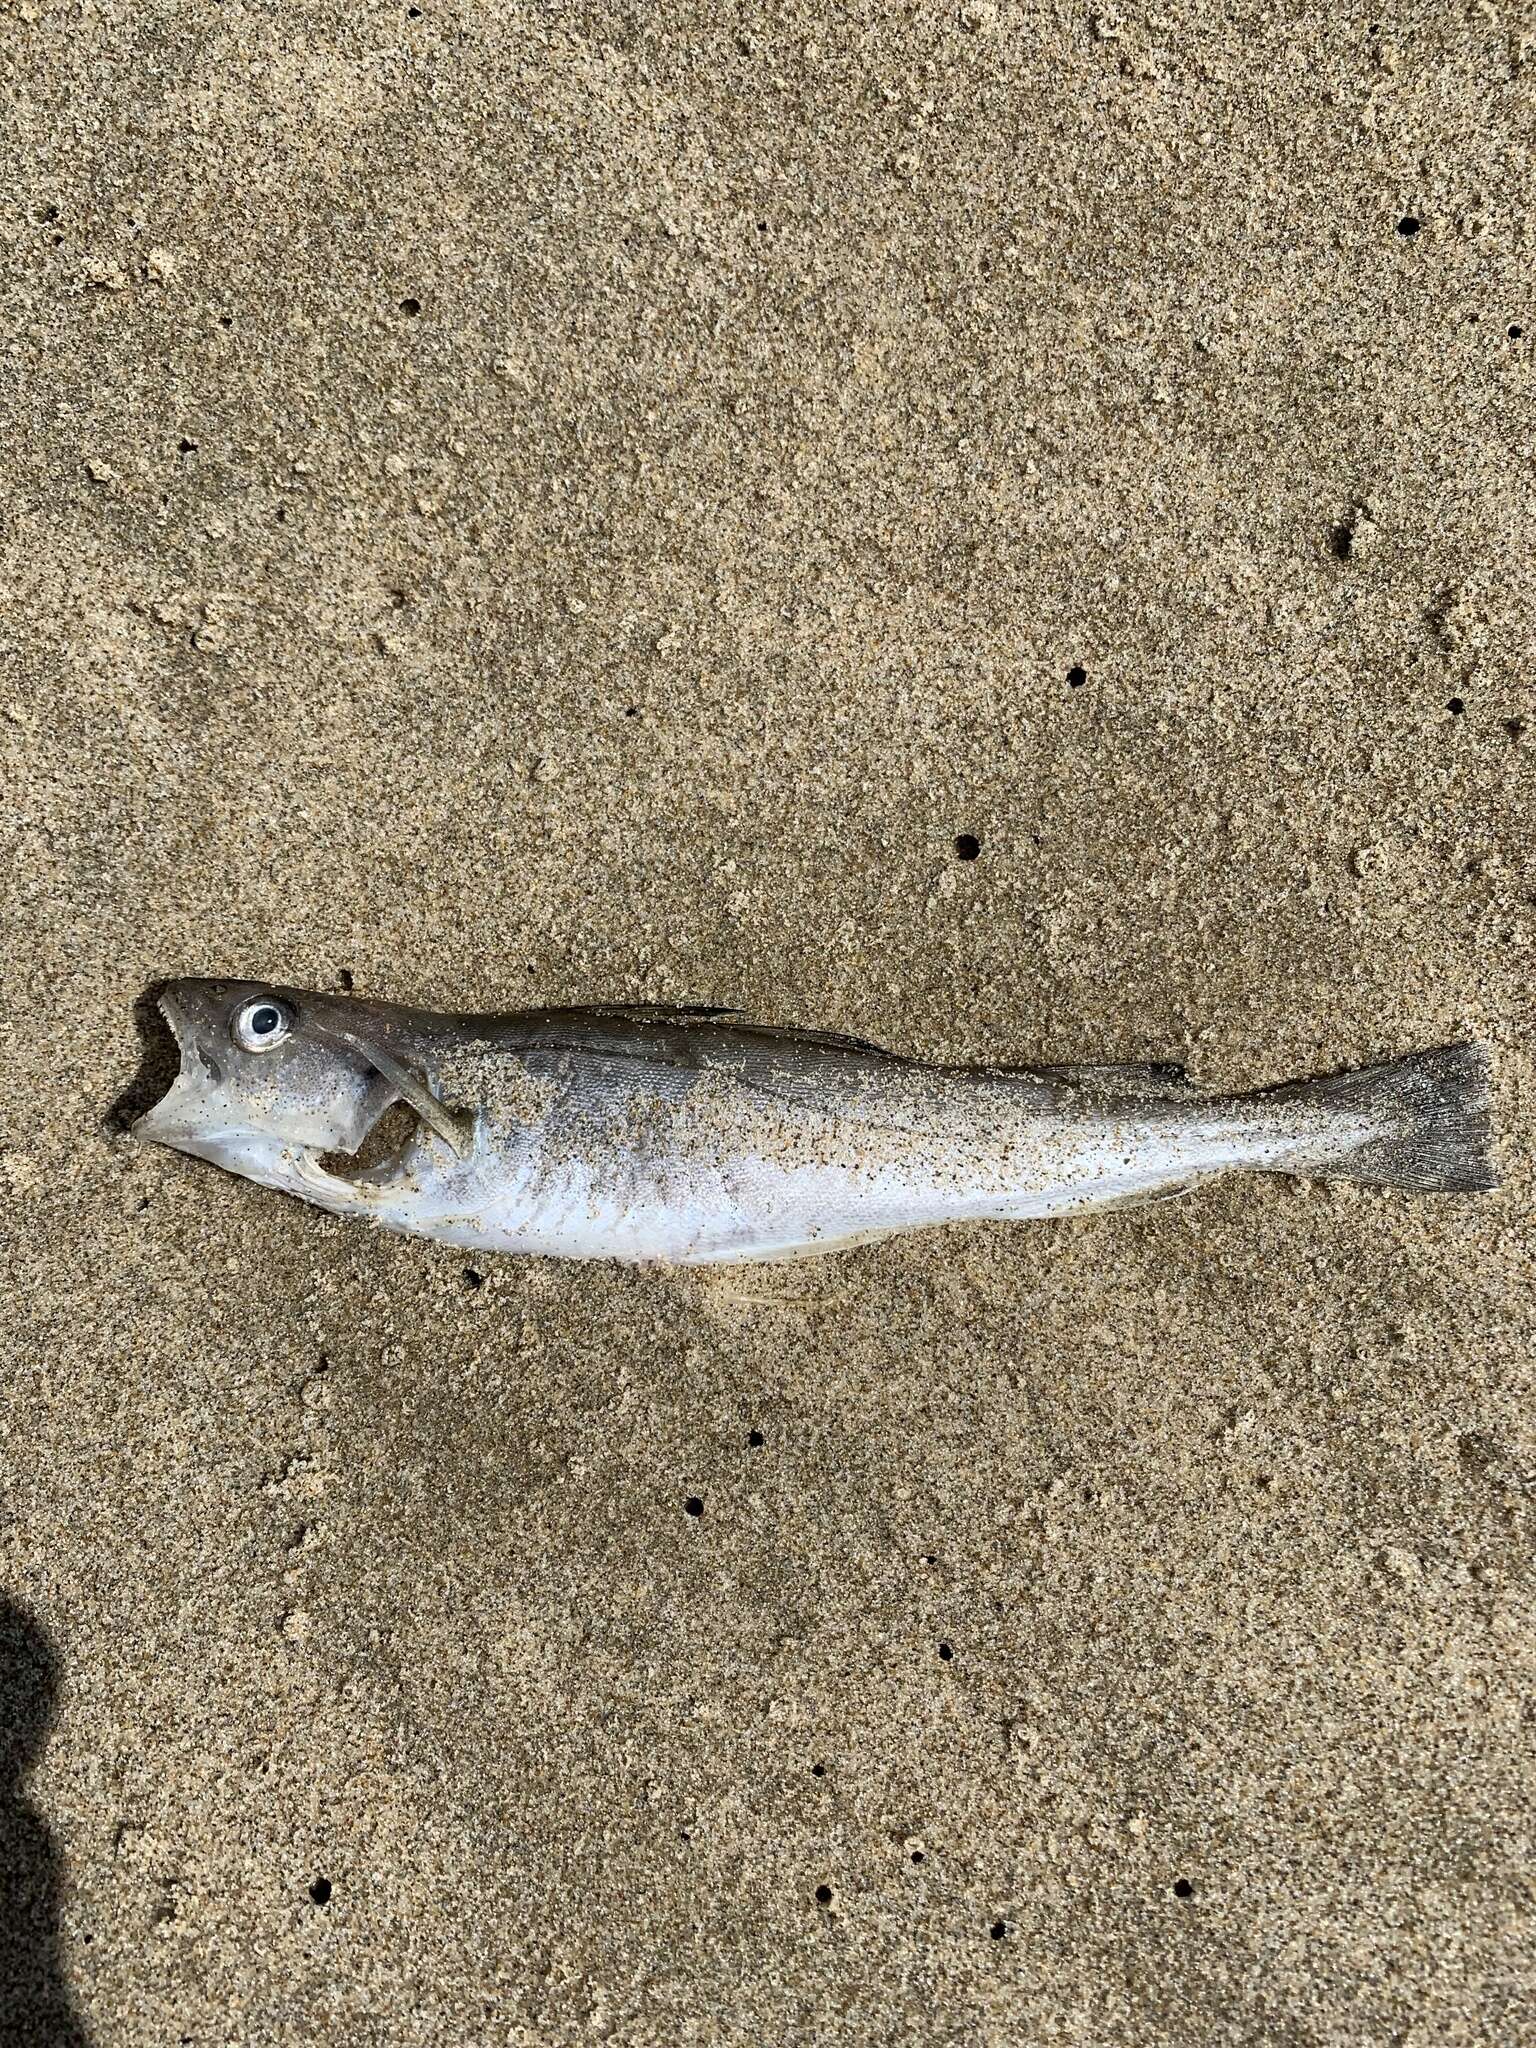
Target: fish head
<point>271,1080</point>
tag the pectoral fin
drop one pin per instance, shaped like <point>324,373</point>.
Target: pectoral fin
<point>454,1127</point>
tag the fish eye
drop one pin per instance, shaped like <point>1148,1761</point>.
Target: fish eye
<point>261,1024</point>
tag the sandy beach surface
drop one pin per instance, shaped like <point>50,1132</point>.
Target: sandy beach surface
<point>558,502</point>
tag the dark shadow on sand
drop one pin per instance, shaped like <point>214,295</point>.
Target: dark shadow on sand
<point>35,2006</point>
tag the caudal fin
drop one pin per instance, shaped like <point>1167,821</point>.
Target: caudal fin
<point>1423,1121</point>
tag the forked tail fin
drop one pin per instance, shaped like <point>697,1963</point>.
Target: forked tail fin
<point>1423,1121</point>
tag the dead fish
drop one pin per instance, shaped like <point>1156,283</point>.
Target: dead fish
<point>691,1136</point>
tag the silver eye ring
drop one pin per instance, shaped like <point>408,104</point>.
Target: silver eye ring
<point>261,1024</point>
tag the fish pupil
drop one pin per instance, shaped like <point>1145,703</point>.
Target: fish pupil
<point>263,1021</point>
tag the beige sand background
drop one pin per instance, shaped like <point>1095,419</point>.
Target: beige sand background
<point>532,502</point>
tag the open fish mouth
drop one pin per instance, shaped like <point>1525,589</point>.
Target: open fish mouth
<point>159,1063</point>
<point>186,1105</point>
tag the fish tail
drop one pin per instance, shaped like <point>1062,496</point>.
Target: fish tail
<point>1420,1122</point>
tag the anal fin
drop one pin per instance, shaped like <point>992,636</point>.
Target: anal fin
<point>793,1254</point>
<point>1138,1199</point>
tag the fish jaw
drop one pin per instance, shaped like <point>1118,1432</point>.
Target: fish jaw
<point>271,1161</point>
<point>195,1117</point>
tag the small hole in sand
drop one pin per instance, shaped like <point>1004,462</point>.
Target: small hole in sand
<point>1515,727</point>
<point>967,846</point>
<point>1455,706</point>
<point>755,1439</point>
<point>1515,330</point>
<point>999,1929</point>
<point>473,1278</point>
<point>186,447</point>
<point>1183,1889</point>
<point>410,307</point>
<point>693,1505</point>
<point>818,1770</point>
<point>226,320</point>
<point>946,1651</point>
<point>823,1895</point>
<point>1076,677</point>
<point>320,1891</point>
<point>1409,224</point>
<point>918,1856</point>
<point>347,979</point>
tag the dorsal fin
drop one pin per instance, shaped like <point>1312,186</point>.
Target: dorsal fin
<point>1147,1078</point>
<point>584,1024</point>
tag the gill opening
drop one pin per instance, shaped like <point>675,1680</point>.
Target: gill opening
<point>381,1155</point>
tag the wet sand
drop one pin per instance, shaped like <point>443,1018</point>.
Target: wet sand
<point>1003,531</point>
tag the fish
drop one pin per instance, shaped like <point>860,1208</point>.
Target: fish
<point>692,1136</point>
